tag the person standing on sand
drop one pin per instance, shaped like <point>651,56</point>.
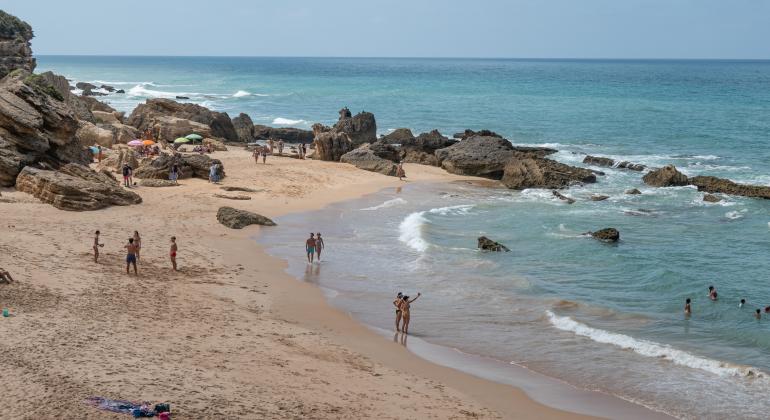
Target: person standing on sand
<point>174,174</point>
<point>400,171</point>
<point>319,246</point>
<point>172,252</point>
<point>687,308</point>
<point>406,305</point>
<point>213,175</point>
<point>310,248</point>
<point>126,175</point>
<point>270,144</point>
<point>397,304</point>
<point>264,156</point>
<point>304,150</point>
<point>280,147</point>
<point>96,247</point>
<point>131,251</point>
<point>256,154</point>
<point>138,243</point>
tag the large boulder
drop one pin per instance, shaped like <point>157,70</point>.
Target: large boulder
<point>486,244</point>
<point>116,160</point>
<point>239,219</point>
<point>476,156</point>
<point>121,133</point>
<point>611,163</point>
<point>385,151</point>
<point>712,184</point>
<point>197,166</point>
<point>361,128</point>
<point>287,134</point>
<point>107,117</point>
<point>364,158</point>
<point>214,144</point>
<point>170,128</point>
<point>90,134</point>
<point>398,136</point>
<point>94,104</point>
<point>145,116</point>
<point>422,149</point>
<point>244,128</point>
<point>667,176</point>
<point>15,49</point>
<point>606,235</point>
<point>75,188</point>
<point>331,146</point>
<point>525,173</point>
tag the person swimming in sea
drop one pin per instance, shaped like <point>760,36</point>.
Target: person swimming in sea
<point>712,293</point>
<point>758,315</point>
<point>743,302</point>
<point>397,304</point>
<point>687,307</point>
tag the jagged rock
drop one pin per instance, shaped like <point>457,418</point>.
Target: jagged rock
<point>217,145</point>
<point>486,244</point>
<point>122,133</point>
<point>606,235</point>
<point>75,188</point>
<point>470,133</point>
<point>361,128</point>
<point>712,184</point>
<point>182,97</point>
<point>120,91</point>
<point>331,146</point>
<point>364,158</point>
<point>633,191</point>
<point>189,166</point>
<point>476,156</point>
<point>89,134</point>
<point>385,151</point>
<point>108,88</point>
<point>711,198</point>
<point>244,128</point>
<point>106,117</point>
<point>238,219</point>
<point>79,106</point>
<point>422,149</point>
<point>287,134</point>
<point>562,197</point>
<point>599,197</point>
<point>233,197</point>
<point>170,128</point>
<point>398,136</point>
<point>155,183</point>
<point>604,161</point>
<point>667,176</point>
<point>543,173</point>
<point>85,85</point>
<point>15,50</point>
<point>145,116</point>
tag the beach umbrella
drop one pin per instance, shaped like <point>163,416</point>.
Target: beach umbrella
<point>195,137</point>
<point>148,142</point>
<point>136,142</point>
<point>181,140</point>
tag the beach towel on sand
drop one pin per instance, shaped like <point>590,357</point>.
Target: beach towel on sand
<point>116,406</point>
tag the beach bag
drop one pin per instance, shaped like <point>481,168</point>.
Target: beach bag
<point>162,408</point>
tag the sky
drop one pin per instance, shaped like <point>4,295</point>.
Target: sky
<point>731,29</point>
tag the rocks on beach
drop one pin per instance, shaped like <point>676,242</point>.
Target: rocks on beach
<point>486,244</point>
<point>398,136</point>
<point>147,115</point>
<point>520,174</point>
<point>238,219</point>
<point>157,183</point>
<point>197,166</point>
<point>360,128</point>
<point>364,158</point>
<point>476,156</point>
<point>15,49</point>
<point>330,145</point>
<point>422,149</point>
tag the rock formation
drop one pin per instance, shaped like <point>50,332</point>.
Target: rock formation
<point>606,235</point>
<point>117,159</point>
<point>331,145</point>
<point>712,184</point>
<point>563,197</point>
<point>214,144</point>
<point>476,156</point>
<point>244,128</point>
<point>147,114</point>
<point>169,128</point>
<point>525,173</point>
<point>422,149</point>
<point>604,161</point>
<point>667,176</point>
<point>398,136</point>
<point>157,183</point>
<point>238,219</point>
<point>486,244</point>
<point>197,166</point>
<point>599,197</point>
<point>364,158</point>
<point>361,128</point>
<point>75,188</point>
<point>633,191</point>
<point>287,134</point>
<point>385,151</point>
<point>470,133</point>
<point>15,50</point>
<point>711,198</point>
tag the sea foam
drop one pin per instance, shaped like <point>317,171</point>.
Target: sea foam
<point>241,93</point>
<point>410,231</point>
<point>389,203</point>
<point>286,121</point>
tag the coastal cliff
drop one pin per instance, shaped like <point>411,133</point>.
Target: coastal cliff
<point>15,49</point>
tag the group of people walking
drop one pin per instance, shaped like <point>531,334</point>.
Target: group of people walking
<point>313,247</point>
<point>133,251</point>
<point>713,295</point>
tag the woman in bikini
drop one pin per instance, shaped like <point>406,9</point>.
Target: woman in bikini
<point>405,306</point>
<point>138,243</point>
<point>397,304</point>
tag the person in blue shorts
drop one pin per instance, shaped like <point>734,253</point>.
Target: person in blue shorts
<point>131,250</point>
<point>310,248</point>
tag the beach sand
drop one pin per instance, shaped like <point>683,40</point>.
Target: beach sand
<point>230,335</point>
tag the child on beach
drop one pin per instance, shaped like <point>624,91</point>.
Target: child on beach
<point>319,246</point>
<point>96,247</point>
<point>405,315</point>
<point>131,251</point>
<point>687,308</point>
<point>310,248</point>
<point>172,252</point>
<point>397,304</point>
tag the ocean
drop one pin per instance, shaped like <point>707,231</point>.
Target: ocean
<point>605,317</point>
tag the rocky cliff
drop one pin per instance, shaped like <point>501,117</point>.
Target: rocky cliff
<point>15,50</point>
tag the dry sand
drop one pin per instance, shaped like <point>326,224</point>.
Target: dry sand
<point>230,335</point>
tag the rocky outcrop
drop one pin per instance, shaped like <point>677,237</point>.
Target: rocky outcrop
<point>214,144</point>
<point>244,128</point>
<point>94,104</point>
<point>604,161</point>
<point>667,176</point>
<point>75,188</point>
<point>331,146</point>
<point>525,173</point>
<point>712,184</point>
<point>470,133</point>
<point>197,166</point>
<point>385,151</point>
<point>15,50</point>
<point>398,136</point>
<point>361,128</point>
<point>117,159</point>
<point>90,134</point>
<point>563,197</point>
<point>606,235</point>
<point>121,133</point>
<point>147,114</point>
<point>599,197</point>
<point>422,149</point>
<point>364,158</point>
<point>107,117</point>
<point>633,191</point>
<point>287,134</point>
<point>711,198</point>
<point>486,244</point>
<point>476,156</point>
<point>170,128</point>
<point>238,219</point>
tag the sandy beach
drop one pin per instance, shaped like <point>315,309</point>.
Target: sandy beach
<point>230,335</point>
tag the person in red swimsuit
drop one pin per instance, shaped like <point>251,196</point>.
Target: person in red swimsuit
<point>172,252</point>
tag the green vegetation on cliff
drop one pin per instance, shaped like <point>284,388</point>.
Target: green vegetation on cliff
<point>13,27</point>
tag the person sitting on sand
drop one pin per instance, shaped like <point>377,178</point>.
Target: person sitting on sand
<point>397,304</point>
<point>5,276</point>
<point>758,314</point>
<point>406,305</point>
<point>319,246</point>
<point>400,171</point>
<point>712,293</point>
<point>310,248</point>
<point>131,251</point>
<point>172,252</point>
<point>138,243</point>
<point>687,307</point>
<point>96,247</point>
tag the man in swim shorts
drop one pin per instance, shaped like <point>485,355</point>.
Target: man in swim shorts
<point>310,248</point>
<point>131,250</point>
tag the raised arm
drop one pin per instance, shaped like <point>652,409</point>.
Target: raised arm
<point>415,298</point>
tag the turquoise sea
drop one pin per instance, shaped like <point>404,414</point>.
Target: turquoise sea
<point>601,317</point>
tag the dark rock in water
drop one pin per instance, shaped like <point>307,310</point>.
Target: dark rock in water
<point>75,188</point>
<point>331,146</point>
<point>470,133</point>
<point>711,198</point>
<point>108,88</point>
<point>606,235</point>
<point>486,244</point>
<point>633,191</point>
<point>182,97</point>
<point>238,219</point>
<point>197,166</point>
<point>562,197</point>
<point>712,184</point>
<point>599,197</point>
<point>244,127</point>
<point>398,136</point>
<point>385,151</point>
<point>600,173</point>
<point>603,161</point>
<point>476,156</point>
<point>361,128</point>
<point>537,152</point>
<point>85,86</point>
<point>543,173</point>
<point>120,91</point>
<point>15,50</point>
<point>145,115</point>
<point>667,176</point>
<point>364,158</point>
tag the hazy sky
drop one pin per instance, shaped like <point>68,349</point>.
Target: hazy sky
<point>402,28</point>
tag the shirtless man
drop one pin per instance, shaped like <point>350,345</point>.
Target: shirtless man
<point>397,304</point>
<point>310,248</point>
<point>131,250</point>
<point>319,246</point>
<point>405,306</point>
<point>172,252</point>
<point>96,247</point>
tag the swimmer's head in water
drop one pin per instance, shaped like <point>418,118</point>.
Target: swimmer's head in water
<point>711,288</point>
<point>758,311</point>
<point>743,301</point>
<point>687,301</point>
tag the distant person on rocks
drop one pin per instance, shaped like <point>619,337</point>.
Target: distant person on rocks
<point>397,304</point>
<point>280,147</point>
<point>712,293</point>
<point>310,248</point>
<point>319,246</point>
<point>400,171</point>
<point>97,245</point>
<point>131,251</point>
<point>172,252</point>
<point>5,276</point>
<point>687,307</point>
<point>406,305</point>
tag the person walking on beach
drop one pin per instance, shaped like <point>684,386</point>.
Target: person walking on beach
<point>138,243</point>
<point>310,248</point>
<point>400,171</point>
<point>397,304</point>
<point>280,147</point>
<point>270,144</point>
<point>712,293</point>
<point>406,305</point>
<point>126,175</point>
<point>96,247</point>
<point>213,175</point>
<point>319,246</point>
<point>687,307</point>
<point>131,251</point>
<point>256,154</point>
<point>172,252</point>
<point>304,150</point>
<point>264,156</point>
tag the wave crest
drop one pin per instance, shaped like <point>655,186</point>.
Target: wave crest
<point>389,203</point>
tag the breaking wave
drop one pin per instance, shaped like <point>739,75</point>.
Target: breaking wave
<point>389,203</point>
<point>410,231</point>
